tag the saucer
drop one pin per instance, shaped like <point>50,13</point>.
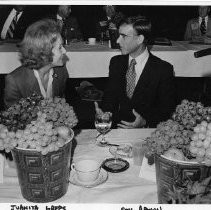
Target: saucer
<point>103,176</point>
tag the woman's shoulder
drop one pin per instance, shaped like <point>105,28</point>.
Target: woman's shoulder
<point>19,70</point>
<point>20,73</point>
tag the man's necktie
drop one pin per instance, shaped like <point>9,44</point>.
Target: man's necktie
<point>203,26</point>
<point>11,29</point>
<point>131,78</point>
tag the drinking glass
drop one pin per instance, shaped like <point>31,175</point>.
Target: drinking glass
<point>103,123</point>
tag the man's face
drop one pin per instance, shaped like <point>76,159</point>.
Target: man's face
<point>128,39</point>
<point>203,11</point>
<point>64,10</point>
<point>110,10</point>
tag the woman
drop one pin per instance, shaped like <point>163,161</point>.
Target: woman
<point>43,68</point>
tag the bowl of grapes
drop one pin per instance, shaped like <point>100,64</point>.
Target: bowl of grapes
<point>38,133</point>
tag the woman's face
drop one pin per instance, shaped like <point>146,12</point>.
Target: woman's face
<point>58,52</point>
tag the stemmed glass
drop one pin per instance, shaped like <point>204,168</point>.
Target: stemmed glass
<point>103,123</point>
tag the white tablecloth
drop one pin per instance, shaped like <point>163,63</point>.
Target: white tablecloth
<point>93,61</point>
<point>124,187</point>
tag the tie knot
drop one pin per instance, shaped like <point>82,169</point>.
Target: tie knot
<point>133,62</point>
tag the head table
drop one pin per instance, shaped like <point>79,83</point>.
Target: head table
<point>123,187</point>
<point>91,61</point>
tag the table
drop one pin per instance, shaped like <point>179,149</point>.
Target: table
<point>93,60</point>
<point>124,187</point>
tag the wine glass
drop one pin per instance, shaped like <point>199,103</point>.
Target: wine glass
<point>103,123</point>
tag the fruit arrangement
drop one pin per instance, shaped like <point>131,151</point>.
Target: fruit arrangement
<point>46,125</point>
<point>186,137</point>
<point>22,113</point>
<point>169,134</point>
<point>200,145</point>
<point>59,112</point>
<point>190,113</point>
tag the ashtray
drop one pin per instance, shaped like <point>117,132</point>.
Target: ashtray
<point>115,165</point>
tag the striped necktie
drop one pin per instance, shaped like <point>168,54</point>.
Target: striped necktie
<point>11,29</point>
<point>131,79</point>
<point>203,27</point>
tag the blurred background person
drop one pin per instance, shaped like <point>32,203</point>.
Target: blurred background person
<point>69,25</point>
<point>14,19</point>
<point>113,16</point>
<point>108,21</point>
<point>43,69</point>
<point>197,29</point>
<point>10,22</point>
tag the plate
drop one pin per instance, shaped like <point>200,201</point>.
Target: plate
<point>123,150</point>
<point>103,176</point>
<point>115,165</point>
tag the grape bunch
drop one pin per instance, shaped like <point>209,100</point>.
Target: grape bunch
<point>21,114</point>
<point>59,112</point>
<point>190,113</point>
<point>200,145</point>
<point>168,134</point>
<point>39,135</point>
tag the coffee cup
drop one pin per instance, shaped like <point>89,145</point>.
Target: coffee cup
<point>87,170</point>
<point>92,41</point>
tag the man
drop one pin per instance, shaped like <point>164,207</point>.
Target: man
<point>69,24</point>
<point>140,91</point>
<point>197,29</point>
<point>9,21</point>
<point>109,22</point>
<point>15,19</point>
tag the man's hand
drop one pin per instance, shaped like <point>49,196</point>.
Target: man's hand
<point>139,122</point>
<point>97,109</point>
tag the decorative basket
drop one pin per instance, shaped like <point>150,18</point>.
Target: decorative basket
<point>43,178</point>
<point>172,173</point>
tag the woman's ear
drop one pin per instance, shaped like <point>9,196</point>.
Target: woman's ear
<point>140,39</point>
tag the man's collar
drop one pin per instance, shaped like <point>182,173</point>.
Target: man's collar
<point>141,57</point>
<point>206,18</point>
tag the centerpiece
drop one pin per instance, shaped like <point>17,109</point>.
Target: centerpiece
<point>39,134</point>
<point>181,147</point>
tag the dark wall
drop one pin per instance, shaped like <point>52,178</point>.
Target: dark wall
<point>167,21</point>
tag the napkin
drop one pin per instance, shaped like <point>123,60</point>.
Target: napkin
<point>147,171</point>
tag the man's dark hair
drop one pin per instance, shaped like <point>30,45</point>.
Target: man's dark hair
<point>141,24</point>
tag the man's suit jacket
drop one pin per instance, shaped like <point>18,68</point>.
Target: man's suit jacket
<point>193,28</point>
<point>154,94</point>
<point>22,83</point>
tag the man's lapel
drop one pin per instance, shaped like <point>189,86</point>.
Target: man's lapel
<point>143,81</point>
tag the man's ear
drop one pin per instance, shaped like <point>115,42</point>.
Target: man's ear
<point>140,39</point>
